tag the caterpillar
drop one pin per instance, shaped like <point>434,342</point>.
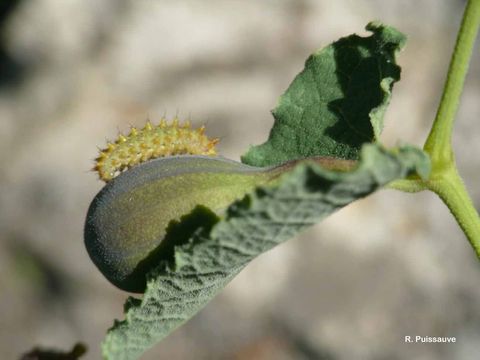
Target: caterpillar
<point>151,142</point>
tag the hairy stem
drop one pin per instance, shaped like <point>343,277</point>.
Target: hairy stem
<point>451,190</point>
<point>445,180</point>
<point>438,144</point>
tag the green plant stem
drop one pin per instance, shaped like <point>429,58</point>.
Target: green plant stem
<point>445,180</point>
<point>450,188</point>
<point>407,185</point>
<point>439,144</point>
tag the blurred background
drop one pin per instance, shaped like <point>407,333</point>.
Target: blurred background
<point>74,73</point>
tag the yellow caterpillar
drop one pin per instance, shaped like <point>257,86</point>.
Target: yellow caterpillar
<point>153,141</point>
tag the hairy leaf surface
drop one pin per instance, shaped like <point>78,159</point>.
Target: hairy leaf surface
<point>337,102</point>
<point>178,289</point>
<point>333,108</point>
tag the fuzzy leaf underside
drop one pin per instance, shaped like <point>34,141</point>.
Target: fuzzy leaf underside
<point>220,249</point>
<point>337,102</point>
<point>334,108</point>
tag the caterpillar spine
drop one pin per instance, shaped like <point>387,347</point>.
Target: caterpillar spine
<point>150,142</point>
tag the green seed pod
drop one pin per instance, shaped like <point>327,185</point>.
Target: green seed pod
<point>127,220</point>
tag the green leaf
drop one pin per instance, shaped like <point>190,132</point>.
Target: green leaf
<point>337,102</point>
<point>177,289</point>
<point>333,108</point>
